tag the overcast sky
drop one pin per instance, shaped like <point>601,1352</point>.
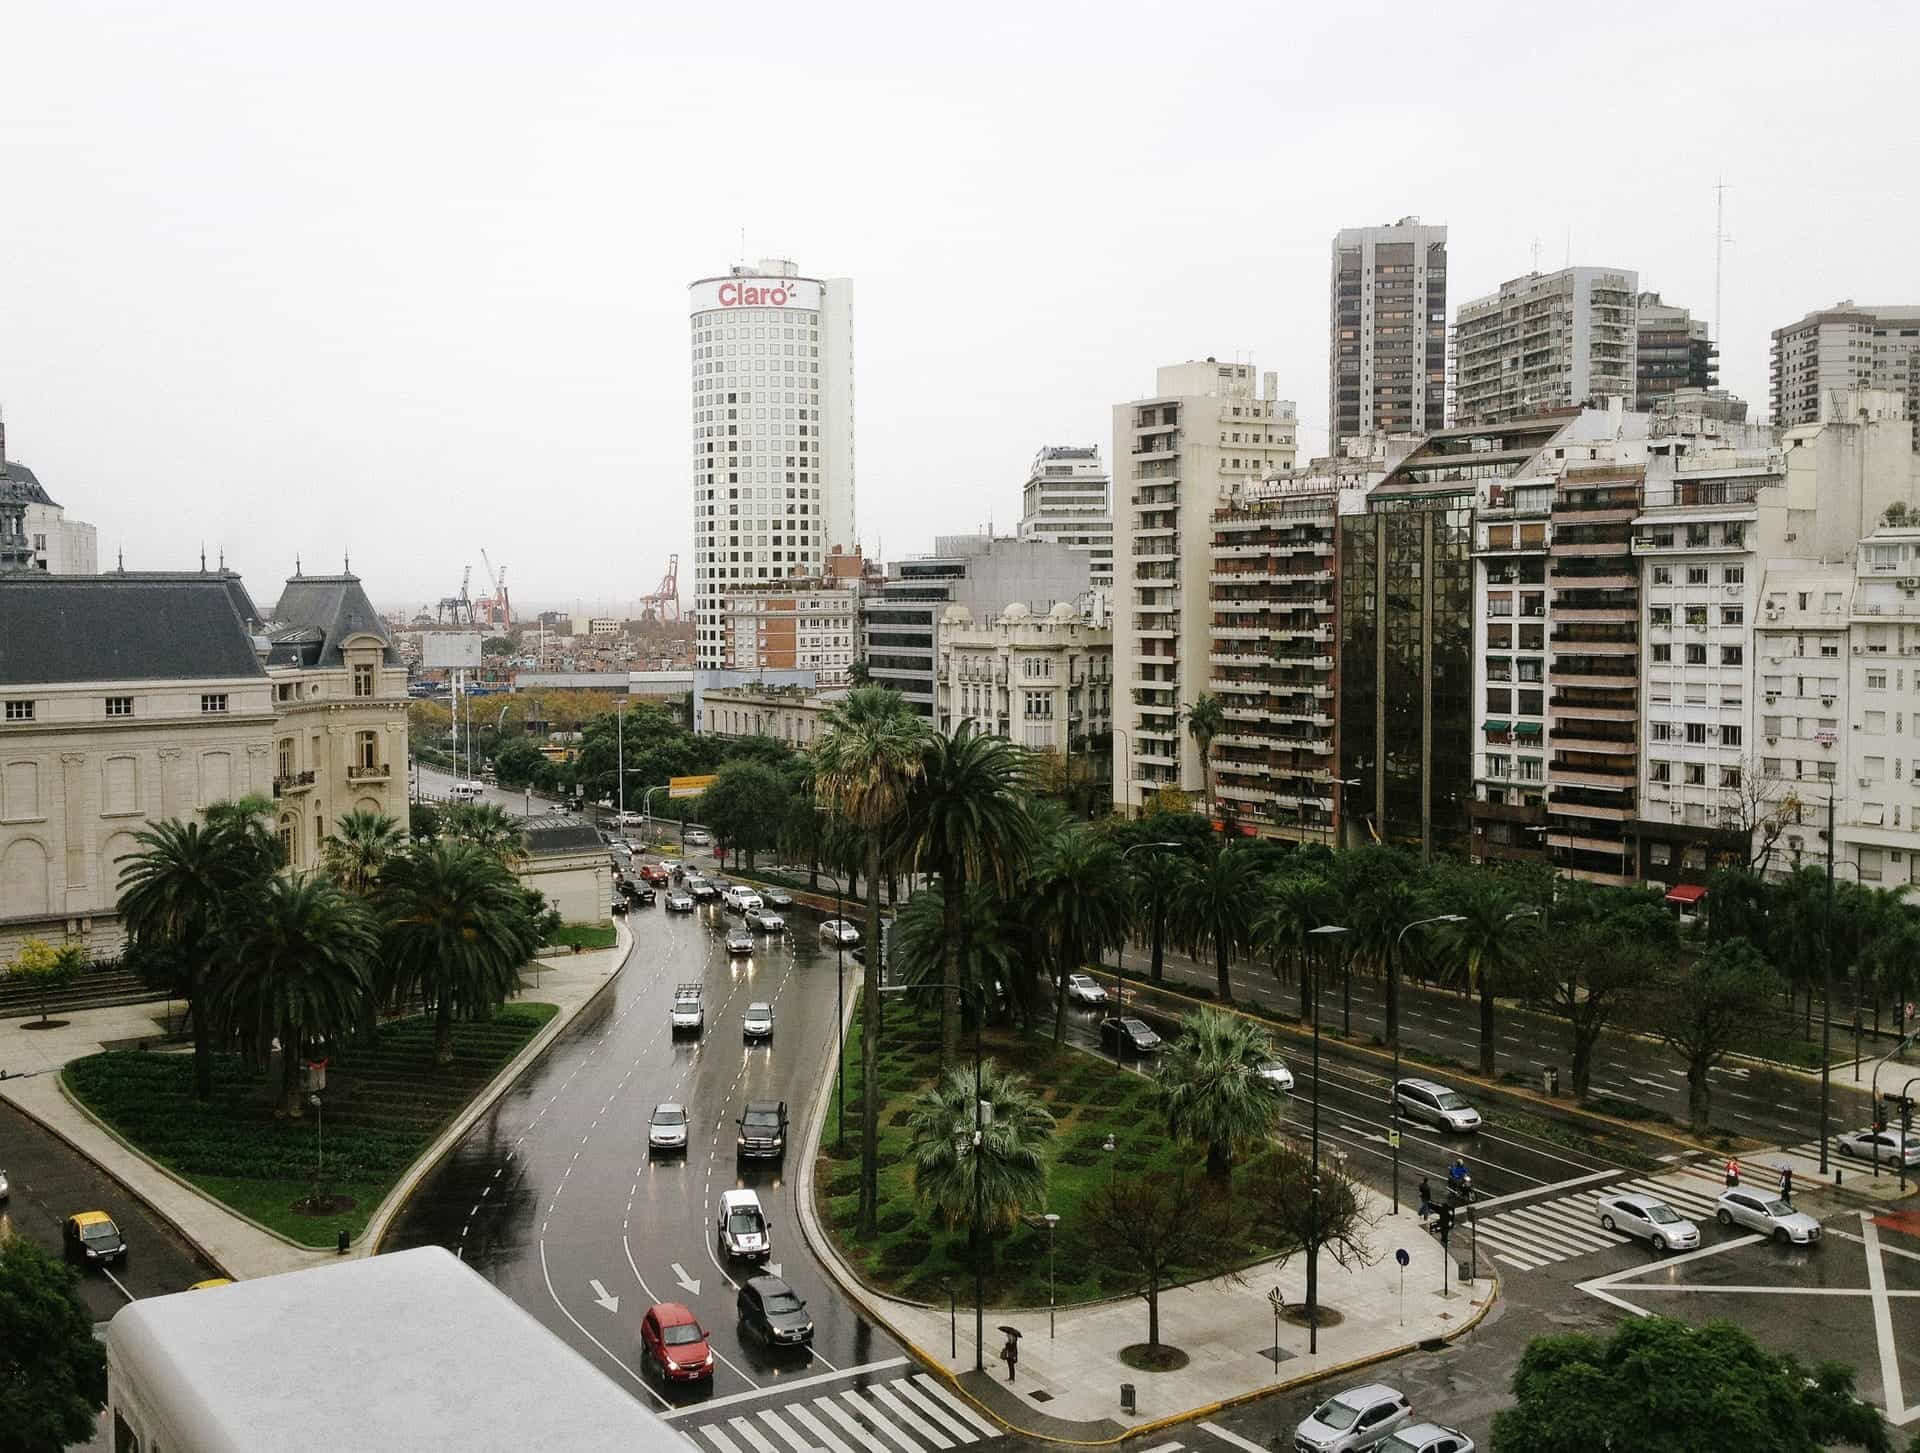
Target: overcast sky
<point>408,280</point>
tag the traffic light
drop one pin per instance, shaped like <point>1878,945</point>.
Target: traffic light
<point>1446,1222</point>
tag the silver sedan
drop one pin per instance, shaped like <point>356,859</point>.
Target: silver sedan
<point>1886,1146</point>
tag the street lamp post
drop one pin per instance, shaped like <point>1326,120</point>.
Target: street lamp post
<point>1393,1017</point>
<point>1053,1224</point>
<point>319,1144</point>
<point>979,1150</point>
<point>1340,799</point>
<point>1331,934</point>
<point>1127,747</point>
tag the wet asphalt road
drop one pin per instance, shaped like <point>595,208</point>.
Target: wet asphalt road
<point>51,1183</point>
<point>554,1197</point>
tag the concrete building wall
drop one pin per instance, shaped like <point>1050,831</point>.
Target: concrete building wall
<point>1547,341</point>
<point>1387,331</point>
<point>1044,681</point>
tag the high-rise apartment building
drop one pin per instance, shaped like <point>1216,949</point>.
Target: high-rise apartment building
<point>1387,344</point>
<point>1826,353</point>
<point>1546,341</point>
<point>1206,429</point>
<point>1067,499</point>
<point>1673,351</point>
<point>772,374</point>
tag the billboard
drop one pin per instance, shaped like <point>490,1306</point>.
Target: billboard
<point>753,292</point>
<point>688,786</point>
<point>450,650</point>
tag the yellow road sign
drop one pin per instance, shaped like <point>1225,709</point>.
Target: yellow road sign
<point>688,786</point>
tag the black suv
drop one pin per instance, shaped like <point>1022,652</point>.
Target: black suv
<point>763,1131</point>
<point>773,1312</point>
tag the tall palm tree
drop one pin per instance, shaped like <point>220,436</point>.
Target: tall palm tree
<point>1293,905</point>
<point>490,827</point>
<point>1082,899</point>
<point>1216,908</point>
<point>967,822</point>
<point>1206,719</point>
<point>298,971</point>
<point>1154,878</point>
<point>1488,947</point>
<point>360,843</point>
<point>865,765</point>
<point>458,928</point>
<point>1012,1156</point>
<point>919,947</point>
<point>176,894</point>
<point>1378,919</point>
<point>1211,1088</point>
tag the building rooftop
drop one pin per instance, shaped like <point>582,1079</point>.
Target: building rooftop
<point>125,627</point>
<point>316,614</point>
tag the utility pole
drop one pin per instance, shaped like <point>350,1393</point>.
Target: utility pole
<point>1826,1007</point>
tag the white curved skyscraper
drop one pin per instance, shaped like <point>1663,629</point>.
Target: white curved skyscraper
<point>772,432</point>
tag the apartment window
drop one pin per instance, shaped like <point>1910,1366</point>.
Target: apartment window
<point>1733,655</point>
<point>1730,735</point>
<point>286,757</point>
<point>1660,771</point>
<point>1696,773</point>
<point>215,701</point>
<point>1772,766</point>
<point>363,680</point>
<point>1039,703</point>
<point>1696,615</point>
<point>1730,778</point>
<point>1498,764</point>
<point>366,749</point>
<point>1659,854</point>
<point>1733,615</point>
<point>1696,655</point>
<point>1734,575</point>
<point>1876,681</point>
<point>1870,860</point>
<point>1531,769</point>
<point>1662,654</point>
<point>1829,648</point>
<point>1661,615</point>
<point>1663,575</point>
<point>1697,575</point>
<point>1696,733</point>
<point>1873,768</point>
<point>1660,731</point>
<point>1770,726</point>
<point>19,711</point>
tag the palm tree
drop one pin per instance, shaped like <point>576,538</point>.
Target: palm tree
<point>1294,905</point>
<point>967,821</point>
<point>918,948</point>
<point>1206,719</point>
<point>359,844</point>
<point>490,827</point>
<point>1216,908</point>
<point>298,971</point>
<point>1011,1159</point>
<point>865,766</point>
<point>1488,947</point>
<point>175,896</point>
<point>1081,895</point>
<point>1155,879</point>
<point>1378,919</point>
<point>1212,1090</point>
<point>458,928</point>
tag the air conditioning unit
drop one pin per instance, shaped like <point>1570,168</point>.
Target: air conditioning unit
<point>1826,701</point>
<point>1866,781</point>
<point>1910,583</point>
<point>1733,590</point>
<point>1772,614</point>
<point>1772,696</point>
<point>1858,649</point>
<point>1772,740</point>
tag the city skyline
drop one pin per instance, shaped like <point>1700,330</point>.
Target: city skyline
<point>438,317</point>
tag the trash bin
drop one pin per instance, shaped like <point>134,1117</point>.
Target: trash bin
<point>1550,1080</point>
<point>1126,1397</point>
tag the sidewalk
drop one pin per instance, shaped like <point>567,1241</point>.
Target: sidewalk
<point>239,1247</point>
<point>1067,1386</point>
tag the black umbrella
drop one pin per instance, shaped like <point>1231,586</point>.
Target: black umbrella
<point>1013,1332</point>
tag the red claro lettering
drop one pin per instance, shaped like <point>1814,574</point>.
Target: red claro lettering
<point>745,295</point>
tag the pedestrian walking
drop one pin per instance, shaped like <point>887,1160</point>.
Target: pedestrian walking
<point>1733,1171</point>
<point>1786,1184</point>
<point>1011,1352</point>
<point>1426,1200</point>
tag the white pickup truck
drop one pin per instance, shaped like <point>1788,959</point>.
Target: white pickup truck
<point>688,1013</point>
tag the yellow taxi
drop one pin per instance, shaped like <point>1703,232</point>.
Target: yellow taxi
<point>210,1283</point>
<point>92,1239</point>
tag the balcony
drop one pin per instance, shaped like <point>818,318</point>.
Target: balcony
<point>1581,842</point>
<point>1564,549</point>
<point>1590,776</point>
<point>1565,645</point>
<point>1627,681</point>
<point>292,782</point>
<point>1597,614</point>
<point>1567,713</point>
<point>368,772</point>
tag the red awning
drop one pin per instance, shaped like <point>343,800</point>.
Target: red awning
<point>1686,893</point>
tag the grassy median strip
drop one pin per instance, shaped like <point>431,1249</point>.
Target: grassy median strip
<point>584,936</point>
<point>913,1253</point>
<point>383,1108</point>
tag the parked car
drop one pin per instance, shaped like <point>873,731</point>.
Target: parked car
<point>1085,989</point>
<point>739,943</point>
<point>1435,1104</point>
<point>763,1131</point>
<point>741,1227</point>
<point>92,1239</point>
<point>1885,1146</point>
<point>672,1339</point>
<point>757,1022</point>
<point>679,902</point>
<point>1276,1070</point>
<point>1129,1036</point>
<point>1356,1419</point>
<point>667,1129</point>
<point>1769,1215</point>
<point>696,838</point>
<point>631,819</point>
<point>1649,1218</point>
<point>777,897</point>
<point>773,1312</point>
<point>765,920</point>
<point>1428,1438</point>
<point>837,931</point>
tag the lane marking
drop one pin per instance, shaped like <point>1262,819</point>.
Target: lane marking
<point>548,1276</point>
<point>1245,1445</point>
<point>788,1386</point>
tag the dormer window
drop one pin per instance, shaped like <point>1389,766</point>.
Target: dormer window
<point>363,680</point>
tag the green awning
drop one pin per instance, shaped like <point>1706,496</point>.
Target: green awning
<point>1527,728</point>
<point>1497,727</point>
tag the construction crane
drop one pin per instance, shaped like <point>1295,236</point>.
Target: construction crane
<point>499,612</point>
<point>457,609</point>
<point>664,603</point>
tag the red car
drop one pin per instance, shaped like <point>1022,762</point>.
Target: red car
<point>674,1341</point>
<point>655,874</point>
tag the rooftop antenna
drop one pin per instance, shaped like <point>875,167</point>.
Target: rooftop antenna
<point>1720,241</point>
<point>223,558</point>
<point>346,562</point>
<point>120,559</point>
<point>1536,254</point>
<point>1569,261</point>
<point>296,565</point>
<point>203,559</point>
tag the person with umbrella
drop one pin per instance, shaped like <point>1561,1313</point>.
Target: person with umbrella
<point>1011,1352</point>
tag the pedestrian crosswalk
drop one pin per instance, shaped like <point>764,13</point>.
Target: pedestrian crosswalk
<point>907,1415</point>
<point>1542,1232</point>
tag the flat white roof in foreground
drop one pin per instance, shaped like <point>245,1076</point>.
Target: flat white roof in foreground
<point>410,1350</point>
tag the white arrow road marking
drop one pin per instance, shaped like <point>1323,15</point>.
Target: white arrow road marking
<point>691,1283</point>
<point>1364,1135</point>
<point>612,1304</point>
<point>773,1268</point>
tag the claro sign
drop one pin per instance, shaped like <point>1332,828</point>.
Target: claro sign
<point>755,292</point>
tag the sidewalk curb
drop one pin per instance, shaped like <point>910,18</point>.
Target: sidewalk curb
<point>368,1242</point>
<point>872,1302</point>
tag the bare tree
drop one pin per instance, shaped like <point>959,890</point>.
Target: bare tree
<point>1153,1224</point>
<point>1338,1225</point>
<point>1763,805</point>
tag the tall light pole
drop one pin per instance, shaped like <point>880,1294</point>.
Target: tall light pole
<point>1331,934</point>
<point>840,992</point>
<point>1826,1009</point>
<point>620,765</point>
<point>1127,745</point>
<point>979,1151</point>
<point>1120,958</point>
<point>1393,1019</point>
<point>1340,799</point>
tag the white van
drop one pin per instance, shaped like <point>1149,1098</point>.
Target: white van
<point>742,1227</point>
<point>465,792</point>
